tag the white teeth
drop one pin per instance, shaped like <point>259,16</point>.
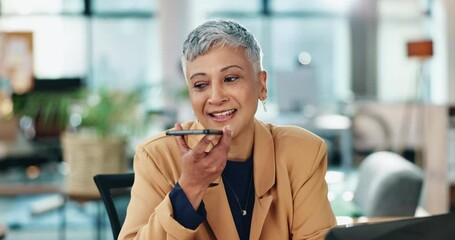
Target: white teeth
<point>223,113</point>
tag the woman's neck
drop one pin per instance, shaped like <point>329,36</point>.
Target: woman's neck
<point>242,145</point>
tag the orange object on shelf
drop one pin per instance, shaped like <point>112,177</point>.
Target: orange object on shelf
<point>420,49</point>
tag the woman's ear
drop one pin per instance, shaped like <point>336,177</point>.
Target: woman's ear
<point>262,81</point>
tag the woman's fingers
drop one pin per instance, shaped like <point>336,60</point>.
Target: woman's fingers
<point>199,149</point>
<point>183,146</point>
<point>227,136</point>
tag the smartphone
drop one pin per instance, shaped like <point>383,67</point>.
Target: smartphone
<point>193,132</point>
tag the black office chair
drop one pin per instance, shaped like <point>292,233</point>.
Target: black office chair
<point>115,191</point>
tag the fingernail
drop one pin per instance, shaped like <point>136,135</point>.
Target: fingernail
<point>229,128</point>
<point>210,137</point>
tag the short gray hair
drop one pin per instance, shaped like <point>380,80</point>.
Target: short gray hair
<point>216,33</point>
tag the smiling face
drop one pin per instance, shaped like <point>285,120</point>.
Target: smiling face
<point>224,89</point>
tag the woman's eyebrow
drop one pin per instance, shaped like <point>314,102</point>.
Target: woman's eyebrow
<point>222,70</point>
<point>231,66</point>
<point>197,74</point>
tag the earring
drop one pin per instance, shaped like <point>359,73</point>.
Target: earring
<point>263,105</point>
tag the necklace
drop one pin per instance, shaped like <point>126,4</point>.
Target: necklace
<point>243,210</point>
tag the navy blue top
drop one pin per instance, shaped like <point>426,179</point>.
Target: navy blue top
<point>236,177</point>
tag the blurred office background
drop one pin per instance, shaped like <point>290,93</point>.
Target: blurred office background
<point>366,75</point>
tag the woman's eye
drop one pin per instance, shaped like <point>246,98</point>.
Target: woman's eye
<point>200,85</point>
<point>230,79</point>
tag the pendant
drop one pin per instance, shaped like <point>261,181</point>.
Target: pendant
<point>243,212</point>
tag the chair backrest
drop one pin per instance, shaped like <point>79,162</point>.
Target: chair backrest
<point>115,191</point>
<point>388,185</point>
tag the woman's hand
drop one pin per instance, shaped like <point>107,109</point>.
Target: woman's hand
<point>200,168</point>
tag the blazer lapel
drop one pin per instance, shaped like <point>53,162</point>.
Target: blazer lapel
<point>219,214</point>
<point>264,177</point>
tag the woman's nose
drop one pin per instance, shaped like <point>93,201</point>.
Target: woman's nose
<point>218,95</point>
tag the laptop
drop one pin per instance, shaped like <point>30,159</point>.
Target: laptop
<point>436,227</point>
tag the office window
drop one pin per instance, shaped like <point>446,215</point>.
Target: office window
<point>41,6</point>
<point>125,52</point>
<point>110,43</point>
<point>58,33</point>
<point>332,6</point>
<point>124,6</point>
<point>232,6</point>
<point>328,50</point>
<point>59,43</point>
<point>124,44</point>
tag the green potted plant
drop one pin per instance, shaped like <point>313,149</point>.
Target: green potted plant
<point>94,130</point>
<point>97,138</point>
<point>48,111</point>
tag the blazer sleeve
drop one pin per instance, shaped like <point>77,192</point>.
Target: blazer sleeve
<point>313,215</point>
<point>150,213</point>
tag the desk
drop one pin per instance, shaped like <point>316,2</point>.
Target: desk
<point>350,221</point>
<point>46,194</point>
<point>16,181</point>
<point>9,190</point>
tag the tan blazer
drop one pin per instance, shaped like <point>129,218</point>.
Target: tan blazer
<point>290,189</point>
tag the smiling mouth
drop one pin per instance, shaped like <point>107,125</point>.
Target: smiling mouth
<point>223,115</point>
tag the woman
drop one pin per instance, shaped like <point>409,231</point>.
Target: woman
<point>255,181</point>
